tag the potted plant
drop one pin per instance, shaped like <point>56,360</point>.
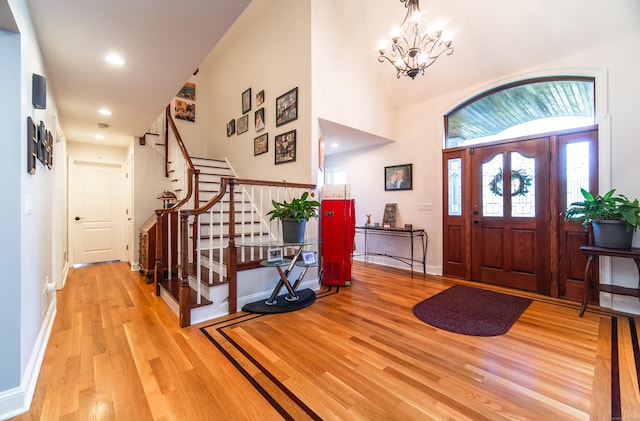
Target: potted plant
<point>294,216</point>
<point>613,218</point>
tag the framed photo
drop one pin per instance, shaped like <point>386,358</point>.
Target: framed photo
<point>309,258</point>
<point>261,144</point>
<point>246,101</point>
<point>287,107</point>
<point>188,91</point>
<point>389,215</point>
<point>185,110</point>
<point>231,127</point>
<point>242,124</point>
<point>259,98</point>
<point>285,147</point>
<point>398,177</point>
<point>274,255</point>
<point>259,119</point>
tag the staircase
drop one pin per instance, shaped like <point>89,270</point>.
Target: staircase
<point>215,215</point>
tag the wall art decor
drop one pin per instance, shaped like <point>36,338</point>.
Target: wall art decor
<point>185,110</point>
<point>242,124</point>
<point>231,127</point>
<point>49,152</point>
<point>32,145</point>
<point>261,144</point>
<point>285,147</point>
<point>398,177</point>
<point>259,98</point>
<point>259,118</point>
<point>42,141</point>
<point>287,107</point>
<point>188,91</point>
<point>246,101</point>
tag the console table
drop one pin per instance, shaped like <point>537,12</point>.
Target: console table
<point>293,299</point>
<point>593,251</point>
<point>410,234</point>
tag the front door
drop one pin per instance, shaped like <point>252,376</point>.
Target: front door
<point>96,200</point>
<point>510,222</point>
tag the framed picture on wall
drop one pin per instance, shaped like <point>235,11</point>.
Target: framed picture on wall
<point>398,177</point>
<point>259,119</point>
<point>287,107</point>
<point>242,124</point>
<point>231,127</point>
<point>246,101</point>
<point>285,147</point>
<point>259,98</point>
<point>261,144</point>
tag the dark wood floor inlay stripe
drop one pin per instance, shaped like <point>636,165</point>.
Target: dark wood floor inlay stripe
<point>636,347</point>
<point>234,321</point>
<point>616,406</point>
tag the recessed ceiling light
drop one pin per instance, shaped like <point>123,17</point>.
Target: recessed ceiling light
<point>334,145</point>
<point>115,59</point>
<point>104,111</point>
<point>100,136</point>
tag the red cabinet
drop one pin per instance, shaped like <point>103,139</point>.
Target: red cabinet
<point>337,233</point>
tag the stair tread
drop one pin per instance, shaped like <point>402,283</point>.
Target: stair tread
<point>172,286</point>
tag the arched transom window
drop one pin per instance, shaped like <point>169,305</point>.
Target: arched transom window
<point>522,108</point>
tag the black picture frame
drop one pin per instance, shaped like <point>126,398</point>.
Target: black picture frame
<point>391,181</point>
<point>287,107</point>
<point>260,98</point>
<point>242,124</point>
<point>246,101</point>
<point>259,119</point>
<point>32,146</point>
<point>285,147</point>
<point>231,127</point>
<point>261,144</point>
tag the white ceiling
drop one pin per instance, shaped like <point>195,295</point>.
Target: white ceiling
<point>164,42</point>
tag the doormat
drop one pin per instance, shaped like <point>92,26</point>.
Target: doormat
<point>471,311</point>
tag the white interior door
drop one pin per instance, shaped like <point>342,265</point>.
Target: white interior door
<point>96,210</point>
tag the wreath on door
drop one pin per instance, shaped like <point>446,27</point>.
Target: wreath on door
<point>521,178</point>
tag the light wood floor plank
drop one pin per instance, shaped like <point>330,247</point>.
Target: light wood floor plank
<point>116,353</point>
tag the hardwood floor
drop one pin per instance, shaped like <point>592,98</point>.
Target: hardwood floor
<point>116,353</point>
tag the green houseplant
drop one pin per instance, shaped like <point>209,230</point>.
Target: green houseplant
<point>614,218</point>
<point>294,216</point>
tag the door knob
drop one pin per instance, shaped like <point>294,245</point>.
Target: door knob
<point>77,218</point>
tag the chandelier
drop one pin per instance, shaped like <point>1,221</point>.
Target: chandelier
<point>414,47</point>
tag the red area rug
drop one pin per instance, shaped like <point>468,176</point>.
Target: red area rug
<point>471,311</point>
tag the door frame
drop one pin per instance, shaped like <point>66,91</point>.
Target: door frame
<point>456,230</point>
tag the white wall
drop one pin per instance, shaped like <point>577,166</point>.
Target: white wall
<point>28,307</point>
<point>266,49</point>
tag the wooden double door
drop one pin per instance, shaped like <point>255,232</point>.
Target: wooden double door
<point>502,213</point>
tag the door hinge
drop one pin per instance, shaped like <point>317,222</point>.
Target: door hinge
<point>127,246</point>
<point>550,276</point>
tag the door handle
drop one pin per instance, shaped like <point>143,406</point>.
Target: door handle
<point>77,218</point>
<point>476,222</point>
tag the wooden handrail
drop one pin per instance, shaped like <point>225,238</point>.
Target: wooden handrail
<point>185,154</point>
<point>224,181</point>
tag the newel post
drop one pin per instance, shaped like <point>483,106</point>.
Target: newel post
<point>232,254</point>
<point>157,270</point>
<point>183,296</point>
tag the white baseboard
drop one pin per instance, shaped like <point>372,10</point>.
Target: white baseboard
<point>18,400</point>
